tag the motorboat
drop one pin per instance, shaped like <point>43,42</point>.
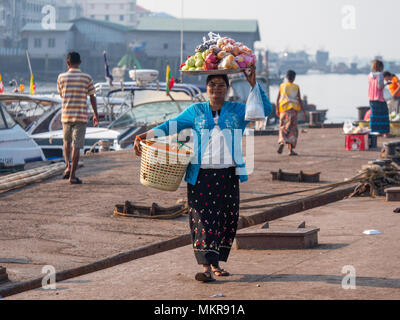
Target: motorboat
<point>146,106</point>
<point>52,142</point>
<point>25,109</point>
<point>16,147</point>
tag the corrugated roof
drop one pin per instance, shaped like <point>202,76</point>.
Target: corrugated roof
<point>38,27</point>
<point>196,25</point>
<point>108,24</point>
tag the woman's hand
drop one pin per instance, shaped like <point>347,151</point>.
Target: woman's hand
<point>137,147</point>
<point>144,136</point>
<point>251,76</point>
<point>136,144</point>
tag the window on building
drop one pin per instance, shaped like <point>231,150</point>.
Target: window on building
<point>165,46</point>
<point>132,18</point>
<point>121,18</point>
<point>52,43</point>
<point>38,43</point>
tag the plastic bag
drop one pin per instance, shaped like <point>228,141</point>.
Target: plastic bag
<point>348,127</point>
<point>255,105</point>
<point>228,62</point>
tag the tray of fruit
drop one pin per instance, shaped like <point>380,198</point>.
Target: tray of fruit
<point>213,72</point>
<point>219,55</point>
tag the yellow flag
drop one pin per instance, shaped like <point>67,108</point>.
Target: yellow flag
<point>32,86</point>
<point>1,84</point>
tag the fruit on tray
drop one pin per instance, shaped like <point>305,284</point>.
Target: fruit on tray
<point>220,53</point>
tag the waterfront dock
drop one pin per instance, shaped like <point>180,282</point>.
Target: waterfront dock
<point>54,223</point>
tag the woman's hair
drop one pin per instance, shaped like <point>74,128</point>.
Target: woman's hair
<point>388,74</point>
<point>223,76</point>
<point>377,66</point>
<point>291,75</point>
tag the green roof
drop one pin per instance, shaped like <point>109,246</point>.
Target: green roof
<point>197,25</point>
<point>108,24</point>
<point>38,27</point>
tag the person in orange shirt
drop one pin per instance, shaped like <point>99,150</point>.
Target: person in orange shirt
<point>394,88</point>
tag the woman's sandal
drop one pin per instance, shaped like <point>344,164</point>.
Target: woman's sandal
<point>204,277</point>
<point>280,149</point>
<point>221,273</point>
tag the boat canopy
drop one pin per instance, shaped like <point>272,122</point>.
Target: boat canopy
<point>37,99</point>
<point>103,88</point>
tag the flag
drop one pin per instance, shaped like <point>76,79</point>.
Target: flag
<point>109,77</point>
<point>170,80</point>
<point>1,84</point>
<point>32,85</point>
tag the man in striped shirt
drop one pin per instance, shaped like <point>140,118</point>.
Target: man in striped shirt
<point>74,87</point>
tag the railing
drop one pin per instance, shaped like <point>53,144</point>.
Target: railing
<point>11,52</point>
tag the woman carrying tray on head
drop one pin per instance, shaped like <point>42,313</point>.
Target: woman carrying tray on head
<point>214,174</point>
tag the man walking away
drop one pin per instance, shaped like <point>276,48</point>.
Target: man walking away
<point>74,87</point>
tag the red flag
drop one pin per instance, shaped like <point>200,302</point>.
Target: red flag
<point>171,83</point>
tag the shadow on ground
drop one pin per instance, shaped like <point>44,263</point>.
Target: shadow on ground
<point>330,279</point>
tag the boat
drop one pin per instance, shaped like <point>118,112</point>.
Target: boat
<point>52,142</point>
<point>148,104</point>
<point>16,147</point>
<point>25,109</point>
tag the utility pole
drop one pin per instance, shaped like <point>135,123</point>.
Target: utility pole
<point>182,26</point>
<point>14,19</point>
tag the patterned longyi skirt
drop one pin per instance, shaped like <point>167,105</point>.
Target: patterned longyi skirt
<point>214,214</point>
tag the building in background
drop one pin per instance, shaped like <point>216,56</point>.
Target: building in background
<point>68,10</point>
<point>162,37</point>
<point>142,12</point>
<point>116,11</point>
<point>48,49</point>
<point>153,43</point>
<point>131,35</point>
<point>14,14</point>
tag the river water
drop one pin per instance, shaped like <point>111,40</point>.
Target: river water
<point>340,94</point>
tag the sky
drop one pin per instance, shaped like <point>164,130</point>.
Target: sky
<point>345,28</point>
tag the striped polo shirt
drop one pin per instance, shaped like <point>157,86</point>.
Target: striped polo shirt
<point>74,87</point>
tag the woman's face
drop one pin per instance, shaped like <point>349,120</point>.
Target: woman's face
<point>217,89</point>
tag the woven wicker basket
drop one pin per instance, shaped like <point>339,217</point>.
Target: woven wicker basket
<point>161,169</point>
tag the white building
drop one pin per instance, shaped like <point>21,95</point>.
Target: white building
<point>116,11</point>
<point>15,14</point>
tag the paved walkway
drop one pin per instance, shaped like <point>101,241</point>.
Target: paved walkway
<point>53,223</point>
<point>281,274</point>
